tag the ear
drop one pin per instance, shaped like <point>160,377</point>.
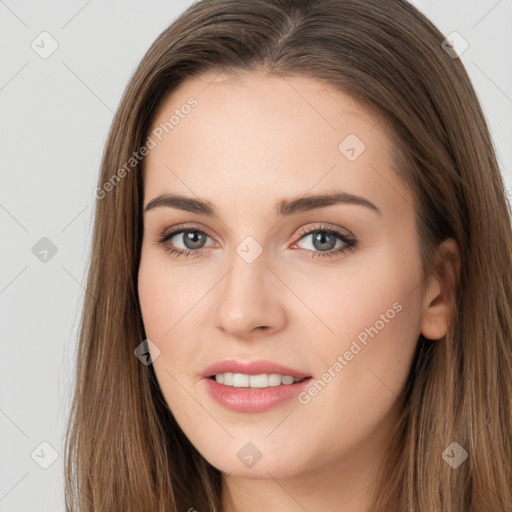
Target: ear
<point>440,289</point>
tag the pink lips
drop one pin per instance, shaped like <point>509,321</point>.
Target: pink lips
<point>251,400</point>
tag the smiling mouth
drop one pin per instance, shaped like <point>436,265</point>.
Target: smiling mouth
<point>261,381</point>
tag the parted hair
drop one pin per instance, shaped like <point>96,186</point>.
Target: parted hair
<point>124,450</point>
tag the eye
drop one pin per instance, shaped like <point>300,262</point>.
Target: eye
<point>191,239</point>
<point>324,241</point>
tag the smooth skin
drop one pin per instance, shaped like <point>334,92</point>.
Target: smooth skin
<point>253,140</point>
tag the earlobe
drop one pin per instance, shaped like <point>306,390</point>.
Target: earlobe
<point>439,295</point>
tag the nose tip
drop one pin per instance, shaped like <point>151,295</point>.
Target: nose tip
<point>241,323</point>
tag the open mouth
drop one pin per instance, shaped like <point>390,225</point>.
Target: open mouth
<point>261,381</point>
<point>253,386</point>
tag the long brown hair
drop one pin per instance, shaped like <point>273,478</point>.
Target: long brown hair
<point>124,449</point>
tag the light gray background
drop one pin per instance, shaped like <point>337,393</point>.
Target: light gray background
<point>55,114</point>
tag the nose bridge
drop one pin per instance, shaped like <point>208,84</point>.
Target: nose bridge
<point>248,297</point>
<point>247,278</point>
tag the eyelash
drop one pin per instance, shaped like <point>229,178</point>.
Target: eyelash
<point>349,242</point>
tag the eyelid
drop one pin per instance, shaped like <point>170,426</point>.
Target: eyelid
<point>175,230</point>
<point>324,227</point>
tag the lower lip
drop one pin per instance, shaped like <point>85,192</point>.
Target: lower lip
<point>253,399</point>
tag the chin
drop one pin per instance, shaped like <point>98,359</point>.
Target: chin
<point>245,459</point>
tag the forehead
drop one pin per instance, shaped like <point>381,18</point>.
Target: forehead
<point>262,135</point>
<point>264,97</point>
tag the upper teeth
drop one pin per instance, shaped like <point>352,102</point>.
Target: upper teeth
<point>264,380</point>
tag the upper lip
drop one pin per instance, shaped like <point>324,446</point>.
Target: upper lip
<point>251,368</point>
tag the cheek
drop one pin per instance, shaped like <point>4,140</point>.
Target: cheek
<point>371,298</point>
<point>363,365</point>
<point>150,287</point>
<point>172,309</point>
<point>164,295</point>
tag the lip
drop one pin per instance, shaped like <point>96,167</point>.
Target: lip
<point>252,400</point>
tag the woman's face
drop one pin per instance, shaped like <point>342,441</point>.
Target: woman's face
<point>302,253</point>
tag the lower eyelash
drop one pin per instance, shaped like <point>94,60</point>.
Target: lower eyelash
<point>350,243</point>
<point>181,252</point>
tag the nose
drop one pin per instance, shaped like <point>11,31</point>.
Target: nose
<point>250,300</point>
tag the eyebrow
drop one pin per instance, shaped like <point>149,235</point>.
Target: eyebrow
<point>284,207</point>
